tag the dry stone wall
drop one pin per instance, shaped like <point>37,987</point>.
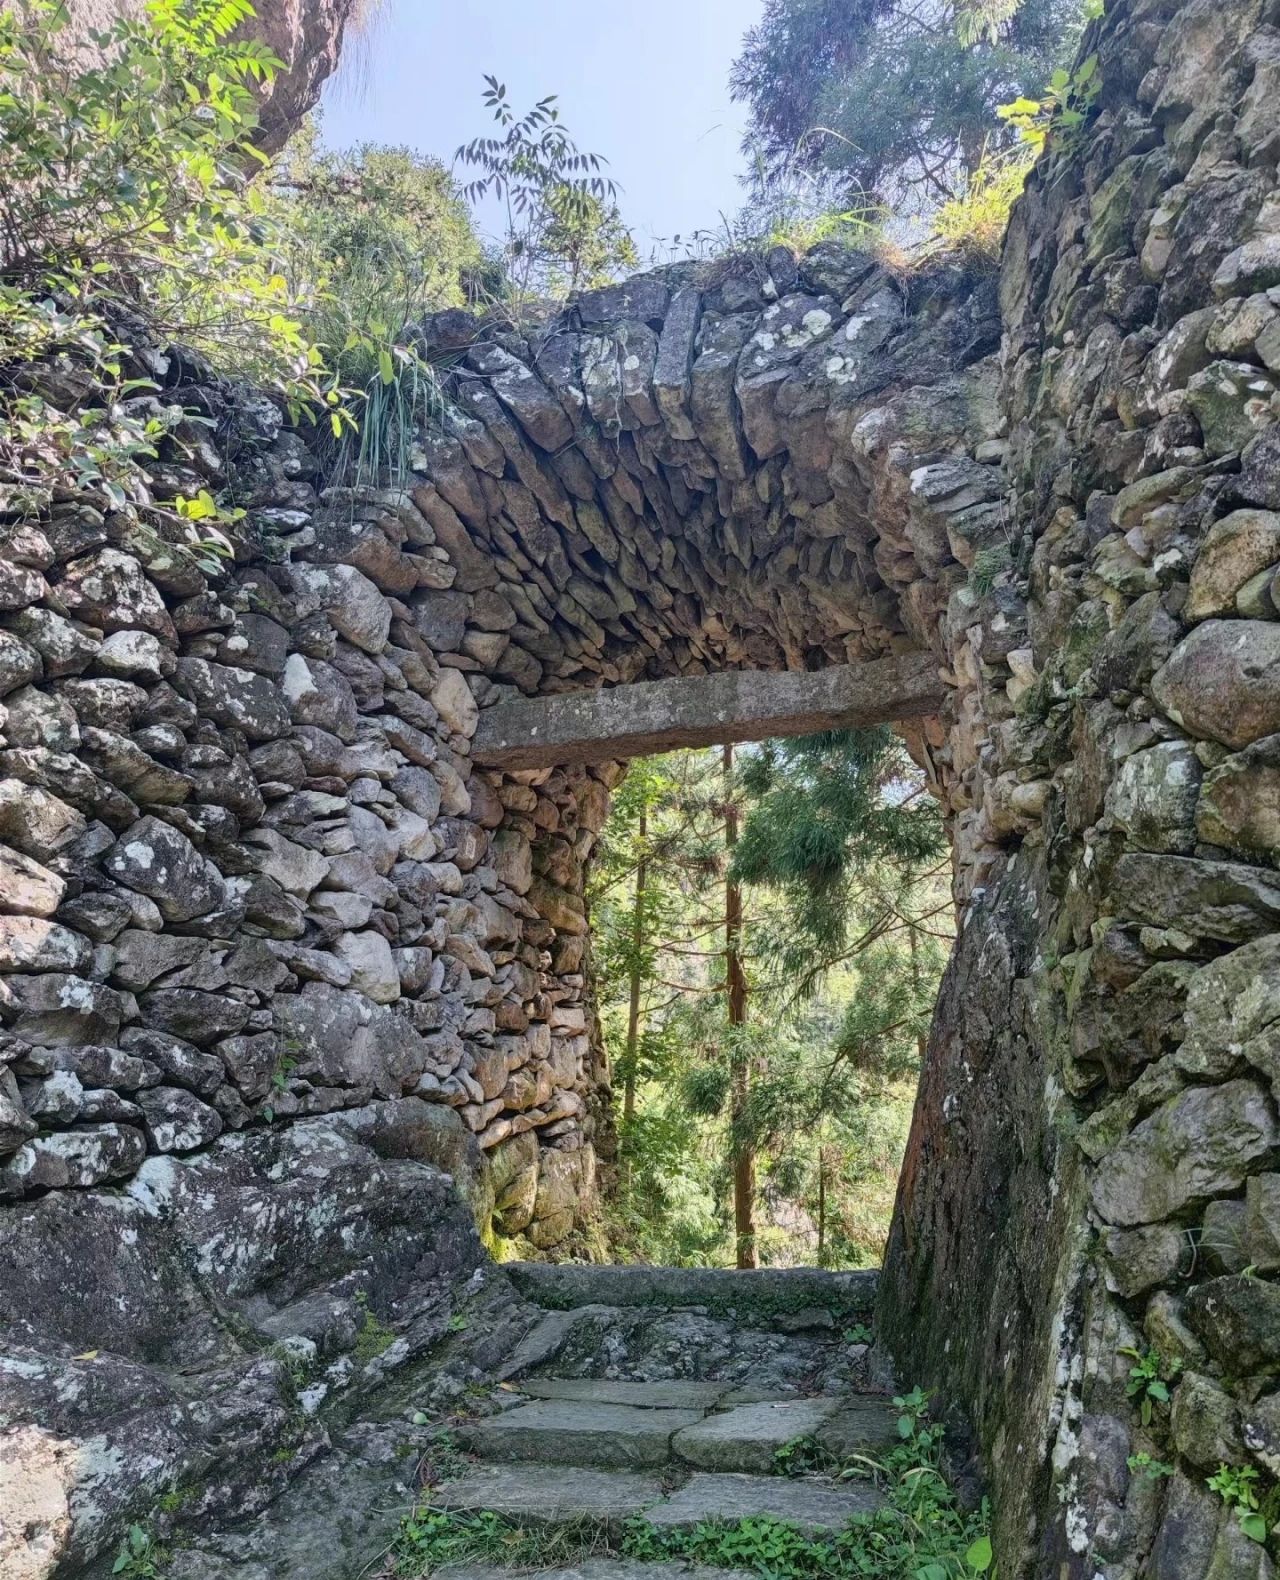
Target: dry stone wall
<point>1091,1176</point>
<point>265,921</point>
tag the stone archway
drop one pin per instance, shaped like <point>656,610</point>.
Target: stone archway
<point>273,934</point>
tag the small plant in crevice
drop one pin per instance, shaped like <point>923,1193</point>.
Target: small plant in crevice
<point>858,1333</point>
<point>374,1337</point>
<point>139,1557</point>
<point>800,1457</point>
<point>1150,1378</point>
<point>1149,1468</point>
<point>1238,1487</point>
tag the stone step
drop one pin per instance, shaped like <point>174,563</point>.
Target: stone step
<point>598,1569</point>
<point>811,1502</point>
<point>553,1494</point>
<point>748,1437</point>
<point>578,1432</point>
<point>562,1495</point>
<point>765,1297</point>
<point>635,1425</point>
<point>677,1394</point>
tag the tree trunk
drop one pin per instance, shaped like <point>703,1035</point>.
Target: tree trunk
<point>744,1160</point>
<point>822,1205</point>
<point>633,1006</point>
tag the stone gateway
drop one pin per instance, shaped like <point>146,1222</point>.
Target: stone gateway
<point>296,987</point>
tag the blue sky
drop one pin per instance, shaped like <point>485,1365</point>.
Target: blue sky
<point>644,82</point>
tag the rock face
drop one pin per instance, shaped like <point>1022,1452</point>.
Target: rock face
<point>1092,1161</point>
<point>306,35</point>
<point>265,910</point>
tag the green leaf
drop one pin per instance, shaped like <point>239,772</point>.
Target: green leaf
<point>979,1555</point>
<point>386,367</point>
<point>1254,1527</point>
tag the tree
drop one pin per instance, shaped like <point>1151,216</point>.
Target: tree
<point>563,228</point>
<point>892,101</point>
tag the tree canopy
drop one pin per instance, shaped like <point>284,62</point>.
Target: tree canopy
<point>892,101</point>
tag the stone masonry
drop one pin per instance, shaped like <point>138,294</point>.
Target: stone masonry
<point>266,918</point>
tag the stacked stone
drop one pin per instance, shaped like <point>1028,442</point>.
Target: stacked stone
<point>247,873</point>
<point>1098,1123</point>
<point>251,873</point>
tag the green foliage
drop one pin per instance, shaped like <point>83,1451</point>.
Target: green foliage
<point>859,1333</point>
<point>828,816</point>
<point>563,228</point>
<point>374,1337</point>
<point>1237,1486</point>
<point>973,222</point>
<point>1058,117</point>
<point>1150,1378</point>
<point>1142,1464</point>
<point>139,1557</point>
<point>125,194</point>
<point>919,1534</point>
<point>889,102</point>
<point>802,1456</point>
<point>387,238</point>
<point>431,1538</point>
<point>843,945</point>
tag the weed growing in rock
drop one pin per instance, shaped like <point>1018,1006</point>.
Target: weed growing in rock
<point>1144,1465</point>
<point>1150,1378</point>
<point>800,1457</point>
<point>374,1337</point>
<point>139,1558</point>
<point>1237,1486</point>
<point>859,1333</point>
<point>431,1538</point>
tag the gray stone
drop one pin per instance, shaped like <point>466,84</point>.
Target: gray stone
<point>32,943</point>
<point>1153,797</point>
<point>1234,550</point>
<point>27,887</point>
<point>176,1120</point>
<point>1222,682</point>
<point>1196,1146</point>
<point>1239,805</point>
<point>1139,1260</point>
<point>569,1432</point>
<point>1262,1221</point>
<point>1211,899</point>
<point>1205,1423</point>
<point>157,860</point>
<point>61,1010</point>
<point>1238,1321</point>
<point>747,1437</point>
<point>811,1506</point>
<point>74,1158</point>
<point>552,1494</point>
<point>680,1394</point>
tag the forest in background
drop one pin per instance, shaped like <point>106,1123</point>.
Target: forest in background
<point>769,925</point>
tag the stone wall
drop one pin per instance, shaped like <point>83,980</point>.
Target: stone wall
<point>261,909</point>
<point>1092,1165</point>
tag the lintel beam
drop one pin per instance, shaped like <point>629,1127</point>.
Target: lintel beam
<point>704,710</point>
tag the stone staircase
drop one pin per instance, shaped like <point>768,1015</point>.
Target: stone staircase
<point>668,1394</point>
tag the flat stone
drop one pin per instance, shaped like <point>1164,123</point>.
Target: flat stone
<point>551,1494</point>
<point>809,1504</point>
<point>597,1569</point>
<point>680,1394</point>
<point>747,1437</point>
<point>568,1432</point>
<point>859,1426</point>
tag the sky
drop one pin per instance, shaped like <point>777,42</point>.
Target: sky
<point>643,82</point>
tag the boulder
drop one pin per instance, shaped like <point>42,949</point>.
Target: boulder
<point>1222,682</point>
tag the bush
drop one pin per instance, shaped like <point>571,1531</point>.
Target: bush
<point>125,192</point>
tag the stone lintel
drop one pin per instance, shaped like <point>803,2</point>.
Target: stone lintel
<point>704,710</point>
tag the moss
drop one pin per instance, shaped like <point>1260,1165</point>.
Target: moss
<point>374,1338</point>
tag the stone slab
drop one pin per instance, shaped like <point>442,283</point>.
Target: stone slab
<point>810,1504</point>
<point>551,1494</point>
<point>704,710</point>
<point>860,1426</point>
<point>752,1299</point>
<point>572,1432</point>
<point>598,1569</point>
<point>677,1394</point>
<point>747,1438</point>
